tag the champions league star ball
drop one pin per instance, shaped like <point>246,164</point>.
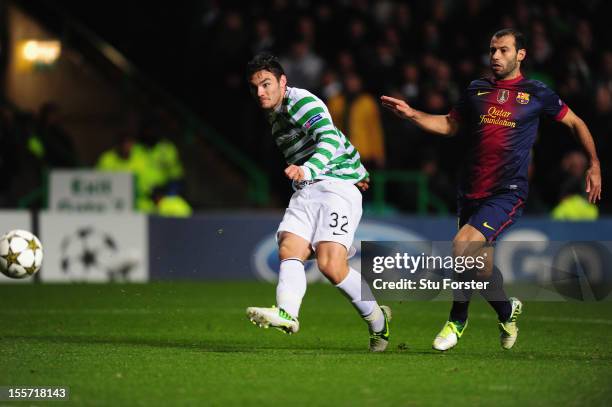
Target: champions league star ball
<point>21,254</point>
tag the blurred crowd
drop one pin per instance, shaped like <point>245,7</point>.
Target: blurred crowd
<point>349,53</point>
<point>426,52</point>
<point>30,144</point>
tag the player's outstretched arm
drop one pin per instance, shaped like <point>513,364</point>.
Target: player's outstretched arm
<point>593,174</point>
<point>434,123</point>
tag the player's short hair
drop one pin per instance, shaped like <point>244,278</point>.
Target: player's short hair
<point>519,38</point>
<point>265,62</point>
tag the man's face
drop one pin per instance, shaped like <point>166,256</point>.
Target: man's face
<point>504,57</point>
<point>267,90</point>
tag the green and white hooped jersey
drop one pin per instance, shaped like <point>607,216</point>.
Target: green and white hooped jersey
<point>303,130</point>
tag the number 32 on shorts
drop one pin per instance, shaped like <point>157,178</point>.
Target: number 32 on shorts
<point>339,223</point>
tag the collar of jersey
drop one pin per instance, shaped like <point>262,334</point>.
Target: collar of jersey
<point>285,101</point>
<point>508,81</point>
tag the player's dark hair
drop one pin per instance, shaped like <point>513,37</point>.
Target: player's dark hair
<point>519,38</point>
<point>264,62</point>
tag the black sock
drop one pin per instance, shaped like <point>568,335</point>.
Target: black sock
<point>496,296</point>
<point>461,298</point>
<point>459,311</point>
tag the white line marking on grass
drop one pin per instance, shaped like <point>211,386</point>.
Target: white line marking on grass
<point>104,311</point>
<point>600,321</point>
<point>142,311</point>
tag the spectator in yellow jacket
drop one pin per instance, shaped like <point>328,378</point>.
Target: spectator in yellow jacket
<point>356,113</point>
<point>573,205</point>
<point>130,156</point>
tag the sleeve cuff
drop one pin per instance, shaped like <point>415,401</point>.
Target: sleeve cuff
<point>307,173</point>
<point>562,113</point>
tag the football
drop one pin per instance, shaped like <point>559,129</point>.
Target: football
<point>21,254</point>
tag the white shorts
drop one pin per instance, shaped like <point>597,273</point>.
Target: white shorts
<point>326,211</point>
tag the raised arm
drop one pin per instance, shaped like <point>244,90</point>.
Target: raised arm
<point>582,133</point>
<point>440,124</point>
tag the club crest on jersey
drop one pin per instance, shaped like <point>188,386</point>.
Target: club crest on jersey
<point>503,95</point>
<point>522,98</point>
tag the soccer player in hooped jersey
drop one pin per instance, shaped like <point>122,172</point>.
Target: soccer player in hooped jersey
<point>500,116</point>
<point>325,209</point>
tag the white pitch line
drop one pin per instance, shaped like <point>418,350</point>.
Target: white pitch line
<point>103,311</point>
<point>600,321</point>
<point>132,311</point>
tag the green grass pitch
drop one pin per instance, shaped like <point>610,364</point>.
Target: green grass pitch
<point>190,344</point>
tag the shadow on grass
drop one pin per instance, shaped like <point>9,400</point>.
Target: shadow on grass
<point>515,355</point>
<point>220,346</point>
<point>313,348</point>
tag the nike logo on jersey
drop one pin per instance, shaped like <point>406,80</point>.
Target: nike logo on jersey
<point>338,234</point>
<point>480,93</point>
<point>486,225</point>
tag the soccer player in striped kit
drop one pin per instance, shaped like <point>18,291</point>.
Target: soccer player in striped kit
<point>500,117</point>
<point>325,209</point>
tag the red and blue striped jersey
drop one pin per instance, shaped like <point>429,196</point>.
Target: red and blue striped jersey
<point>500,119</point>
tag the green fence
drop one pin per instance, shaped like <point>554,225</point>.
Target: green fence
<point>411,179</point>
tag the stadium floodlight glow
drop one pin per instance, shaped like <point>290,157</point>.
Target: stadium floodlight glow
<point>41,52</point>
